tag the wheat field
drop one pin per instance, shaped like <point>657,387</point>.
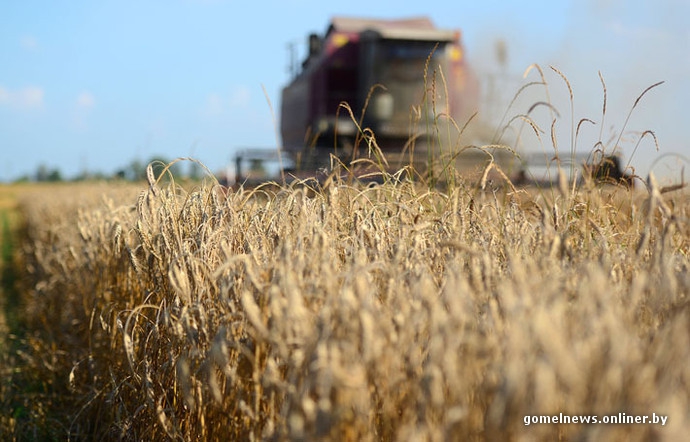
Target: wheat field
<point>403,311</point>
<point>348,312</point>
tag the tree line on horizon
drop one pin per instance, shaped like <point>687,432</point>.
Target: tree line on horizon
<point>134,171</point>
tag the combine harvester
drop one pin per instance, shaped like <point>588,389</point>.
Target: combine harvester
<point>408,88</point>
<point>393,92</point>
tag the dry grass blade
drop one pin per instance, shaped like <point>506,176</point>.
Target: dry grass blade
<point>637,101</point>
<point>603,108</point>
<point>151,178</point>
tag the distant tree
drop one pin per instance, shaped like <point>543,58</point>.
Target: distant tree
<point>159,165</point>
<point>195,171</point>
<point>137,171</point>
<point>54,176</point>
<point>85,175</point>
<point>44,174</point>
<point>91,176</point>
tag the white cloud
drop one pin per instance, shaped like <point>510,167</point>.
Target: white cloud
<point>640,33</point>
<point>238,100</point>
<point>214,105</point>
<point>82,107</point>
<point>86,100</point>
<point>31,97</point>
<point>27,98</point>
<point>241,96</point>
<point>28,42</point>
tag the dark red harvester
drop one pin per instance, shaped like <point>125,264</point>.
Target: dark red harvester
<point>356,55</point>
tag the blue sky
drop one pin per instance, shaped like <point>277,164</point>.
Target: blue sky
<point>96,84</point>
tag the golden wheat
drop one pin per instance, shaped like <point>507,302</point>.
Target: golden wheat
<point>386,312</point>
<point>344,311</point>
